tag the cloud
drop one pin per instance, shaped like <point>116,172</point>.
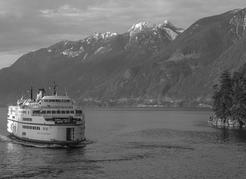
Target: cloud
<point>63,11</point>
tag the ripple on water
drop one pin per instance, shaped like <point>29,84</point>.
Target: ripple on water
<point>214,136</point>
<point>32,173</point>
<point>141,145</point>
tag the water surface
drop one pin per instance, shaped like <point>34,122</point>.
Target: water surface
<point>133,144</point>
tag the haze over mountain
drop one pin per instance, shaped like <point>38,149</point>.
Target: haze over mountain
<point>148,64</point>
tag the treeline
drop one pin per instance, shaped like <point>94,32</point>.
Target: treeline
<point>229,99</point>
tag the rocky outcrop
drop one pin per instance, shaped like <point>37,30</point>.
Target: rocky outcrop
<point>238,23</point>
<point>225,123</point>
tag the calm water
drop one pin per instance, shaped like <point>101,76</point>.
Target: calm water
<point>134,144</point>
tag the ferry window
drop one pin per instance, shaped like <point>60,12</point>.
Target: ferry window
<point>78,112</point>
<point>48,112</point>
<point>53,112</point>
<point>72,112</point>
<point>36,112</point>
<point>27,119</point>
<point>23,112</point>
<point>49,119</point>
<point>43,112</point>
<point>45,128</point>
<point>67,112</point>
<point>58,112</point>
<point>63,112</point>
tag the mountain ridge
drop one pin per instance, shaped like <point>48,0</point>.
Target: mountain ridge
<point>147,65</point>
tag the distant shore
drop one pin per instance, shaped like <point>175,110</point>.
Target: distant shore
<point>131,108</point>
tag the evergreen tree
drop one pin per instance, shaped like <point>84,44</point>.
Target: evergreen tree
<point>229,99</point>
<point>238,109</point>
<point>223,96</point>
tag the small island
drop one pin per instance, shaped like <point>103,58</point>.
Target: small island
<point>229,100</point>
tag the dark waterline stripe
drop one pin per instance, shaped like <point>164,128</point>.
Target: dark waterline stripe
<point>44,124</point>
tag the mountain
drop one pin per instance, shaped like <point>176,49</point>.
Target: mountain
<point>147,65</point>
<point>213,44</point>
<point>89,67</point>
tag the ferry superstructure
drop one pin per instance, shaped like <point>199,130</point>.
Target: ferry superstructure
<point>49,119</point>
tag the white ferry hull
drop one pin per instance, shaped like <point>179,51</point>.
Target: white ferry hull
<point>48,134</point>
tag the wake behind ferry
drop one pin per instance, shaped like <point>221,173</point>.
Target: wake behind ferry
<point>48,119</point>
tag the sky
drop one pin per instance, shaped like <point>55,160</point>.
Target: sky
<point>27,25</point>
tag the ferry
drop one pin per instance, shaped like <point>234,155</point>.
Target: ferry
<point>48,119</point>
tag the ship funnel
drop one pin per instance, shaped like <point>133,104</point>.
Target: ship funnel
<point>31,95</point>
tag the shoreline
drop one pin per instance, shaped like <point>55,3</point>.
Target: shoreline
<point>130,108</point>
<point>226,123</point>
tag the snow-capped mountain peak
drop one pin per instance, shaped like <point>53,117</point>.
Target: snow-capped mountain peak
<point>154,30</point>
<point>143,35</point>
<point>105,35</point>
<point>166,22</point>
<point>141,26</point>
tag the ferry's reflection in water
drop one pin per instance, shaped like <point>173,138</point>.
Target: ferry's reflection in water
<point>25,161</point>
<point>13,154</point>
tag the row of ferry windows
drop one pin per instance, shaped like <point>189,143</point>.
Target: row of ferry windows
<point>58,112</point>
<point>31,127</point>
<point>57,100</point>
